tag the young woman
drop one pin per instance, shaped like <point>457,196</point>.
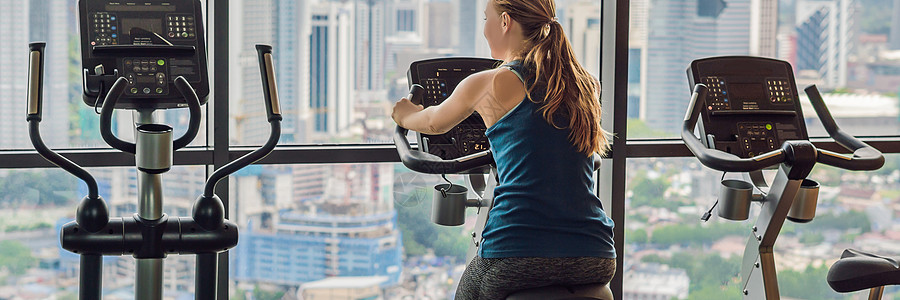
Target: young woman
<point>542,111</point>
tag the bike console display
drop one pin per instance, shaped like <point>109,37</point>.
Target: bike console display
<point>149,43</point>
<point>751,106</point>
<point>439,77</point>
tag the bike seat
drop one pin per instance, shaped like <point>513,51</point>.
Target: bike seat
<point>857,270</point>
<point>558,292</point>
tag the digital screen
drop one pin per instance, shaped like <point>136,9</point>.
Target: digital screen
<point>747,90</point>
<point>143,31</point>
<point>145,79</point>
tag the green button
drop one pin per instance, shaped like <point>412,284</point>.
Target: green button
<point>769,126</point>
<point>160,62</point>
<point>134,90</point>
<point>159,90</point>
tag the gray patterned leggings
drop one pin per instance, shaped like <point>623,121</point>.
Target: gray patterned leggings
<point>495,278</point>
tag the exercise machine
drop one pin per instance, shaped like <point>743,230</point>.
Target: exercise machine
<point>465,150</point>
<point>145,57</point>
<point>748,116</point>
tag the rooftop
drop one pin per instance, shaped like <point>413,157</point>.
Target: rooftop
<point>346,282</point>
<point>854,106</point>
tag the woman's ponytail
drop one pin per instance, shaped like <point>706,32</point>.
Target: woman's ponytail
<point>572,98</point>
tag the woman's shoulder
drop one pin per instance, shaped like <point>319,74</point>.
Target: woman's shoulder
<point>493,78</point>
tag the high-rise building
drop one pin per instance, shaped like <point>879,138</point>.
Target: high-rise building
<point>894,36</point>
<point>825,38</point>
<point>763,27</point>
<point>291,50</point>
<point>809,41</point>
<point>254,25</point>
<point>284,24</point>
<point>439,14</point>
<point>637,56</point>
<point>345,225</point>
<point>581,25</point>
<point>307,247</point>
<point>405,16</point>
<point>470,28</point>
<point>371,27</point>
<point>331,67</point>
<point>678,32</point>
<point>467,26</point>
<point>22,22</point>
<point>787,47</point>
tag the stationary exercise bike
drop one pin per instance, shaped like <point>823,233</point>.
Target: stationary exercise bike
<point>465,150</point>
<point>748,114</point>
<point>145,57</point>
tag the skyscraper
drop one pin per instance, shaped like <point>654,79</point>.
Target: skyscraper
<point>331,67</point>
<point>678,32</point>
<point>345,225</point>
<point>291,49</point>
<point>405,16</point>
<point>637,56</point>
<point>894,36</point>
<point>369,25</point>
<point>582,26</point>
<point>809,41</point>
<point>439,14</point>
<point>22,22</point>
<point>254,26</point>
<point>470,28</point>
<point>763,27</point>
<point>830,25</point>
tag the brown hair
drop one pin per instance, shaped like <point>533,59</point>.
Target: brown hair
<point>571,92</point>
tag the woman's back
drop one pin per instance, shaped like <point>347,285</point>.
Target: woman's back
<point>544,204</point>
<point>546,227</point>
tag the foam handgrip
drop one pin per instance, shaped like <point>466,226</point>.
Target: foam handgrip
<point>267,74</point>
<point>35,79</point>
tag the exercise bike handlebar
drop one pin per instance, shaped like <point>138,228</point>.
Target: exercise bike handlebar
<point>424,162</point>
<point>715,159</point>
<point>273,112</point>
<point>116,91</point>
<point>193,109</point>
<point>34,117</point>
<point>864,157</point>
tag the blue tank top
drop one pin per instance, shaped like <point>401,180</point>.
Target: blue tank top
<point>544,205</point>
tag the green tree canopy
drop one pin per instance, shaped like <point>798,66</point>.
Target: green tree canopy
<point>16,257</point>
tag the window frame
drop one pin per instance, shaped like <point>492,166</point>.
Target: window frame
<point>218,152</point>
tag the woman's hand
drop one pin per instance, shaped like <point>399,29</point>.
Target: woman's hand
<point>402,110</point>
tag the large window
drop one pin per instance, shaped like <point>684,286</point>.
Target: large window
<point>332,202</point>
<point>848,48</point>
<point>342,64</point>
<point>36,203</point>
<point>68,121</point>
<point>671,253</point>
<point>360,228</point>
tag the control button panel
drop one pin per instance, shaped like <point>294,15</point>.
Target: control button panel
<point>146,76</point>
<point>473,140</point>
<point>104,29</point>
<point>439,77</point>
<point>435,91</point>
<point>779,91</point>
<point>467,139</point>
<point>717,95</point>
<point>757,137</point>
<point>180,26</point>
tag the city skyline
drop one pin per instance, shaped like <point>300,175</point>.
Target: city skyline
<point>353,107</point>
